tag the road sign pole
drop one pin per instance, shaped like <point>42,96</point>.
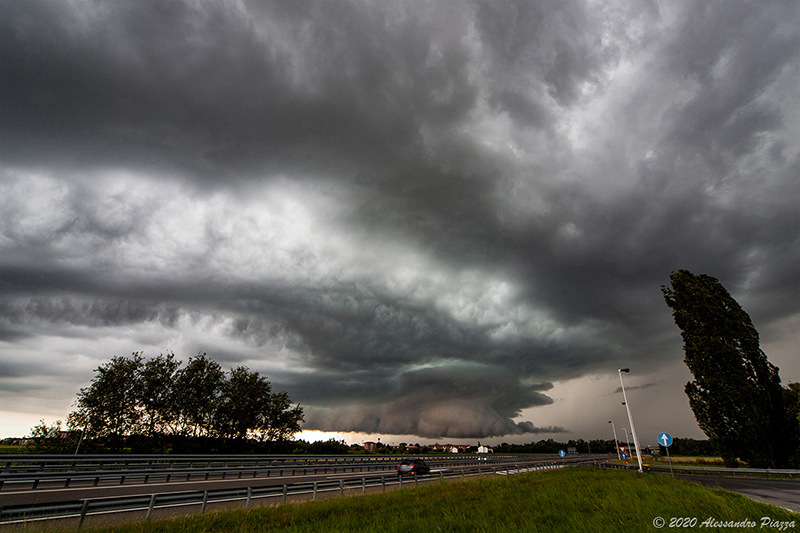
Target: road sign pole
<point>665,439</point>
<point>670,463</point>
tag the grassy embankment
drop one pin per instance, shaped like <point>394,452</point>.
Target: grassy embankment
<point>572,499</point>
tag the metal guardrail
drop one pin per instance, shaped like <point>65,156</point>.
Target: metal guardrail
<point>149,503</point>
<point>733,471</point>
<point>769,472</point>
<point>20,469</point>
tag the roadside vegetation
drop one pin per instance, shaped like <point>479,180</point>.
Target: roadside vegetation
<point>572,499</point>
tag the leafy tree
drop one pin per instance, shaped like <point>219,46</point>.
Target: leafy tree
<point>198,390</point>
<point>736,395</point>
<point>280,421</point>
<point>109,407</point>
<point>156,395</point>
<point>49,439</point>
<point>328,447</point>
<point>245,399</point>
<point>153,404</point>
<point>791,397</point>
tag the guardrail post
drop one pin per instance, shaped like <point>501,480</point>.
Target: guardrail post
<point>205,502</point>
<point>363,485</point>
<point>150,507</point>
<point>416,483</point>
<point>285,491</point>
<point>315,491</point>
<point>400,478</point>
<point>383,483</point>
<point>249,496</point>
<point>84,508</point>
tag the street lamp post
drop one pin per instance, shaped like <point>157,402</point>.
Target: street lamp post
<point>616,444</point>
<point>630,417</point>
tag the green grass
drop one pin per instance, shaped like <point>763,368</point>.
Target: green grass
<point>12,449</point>
<point>569,500</point>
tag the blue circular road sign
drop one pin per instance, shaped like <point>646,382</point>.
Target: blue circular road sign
<point>623,456</point>
<point>562,453</point>
<point>664,439</point>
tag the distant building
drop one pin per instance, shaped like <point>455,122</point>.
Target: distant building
<point>485,449</point>
<point>369,446</point>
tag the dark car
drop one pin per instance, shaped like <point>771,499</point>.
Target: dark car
<point>412,466</point>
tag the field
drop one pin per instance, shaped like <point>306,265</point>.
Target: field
<point>711,462</point>
<point>12,449</point>
<point>693,461</point>
<point>569,500</point>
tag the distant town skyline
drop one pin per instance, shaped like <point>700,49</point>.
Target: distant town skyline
<point>425,221</point>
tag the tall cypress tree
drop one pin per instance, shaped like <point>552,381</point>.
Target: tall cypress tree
<point>736,395</point>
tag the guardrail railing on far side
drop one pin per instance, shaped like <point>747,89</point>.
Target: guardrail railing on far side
<point>769,472</point>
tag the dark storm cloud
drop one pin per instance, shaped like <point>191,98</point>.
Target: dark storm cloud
<point>92,313</point>
<point>635,387</point>
<point>206,89</point>
<point>569,154</point>
<point>451,401</point>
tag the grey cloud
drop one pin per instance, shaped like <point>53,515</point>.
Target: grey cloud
<point>82,311</point>
<point>206,89</point>
<point>528,427</point>
<point>551,43</point>
<point>450,401</point>
<point>635,387</point>
<point>499,137</point>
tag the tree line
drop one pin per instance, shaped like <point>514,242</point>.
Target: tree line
<point>133,398</point>
<point>553,446</point>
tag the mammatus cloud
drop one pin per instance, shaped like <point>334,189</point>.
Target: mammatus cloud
<point>414,219</point>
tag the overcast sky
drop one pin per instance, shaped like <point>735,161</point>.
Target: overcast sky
<point>424,220</point>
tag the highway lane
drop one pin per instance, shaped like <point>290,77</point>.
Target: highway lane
<point>781,492</point>
<point>76,493</point>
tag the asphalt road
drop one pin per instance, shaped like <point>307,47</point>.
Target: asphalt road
<point>76,492</point>
<point>781,492</point>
